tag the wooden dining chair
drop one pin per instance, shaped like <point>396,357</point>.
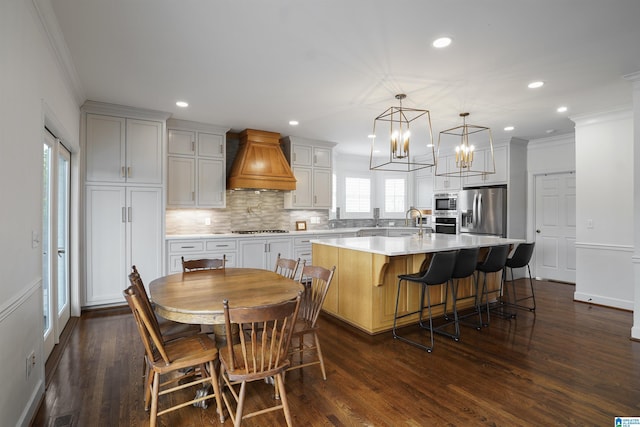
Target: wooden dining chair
<point>168,328</point>
<point>203,264</point>
<point>192,357</point>
<point>262,353</point>
<point>287,267</point>
<point>316,281</point>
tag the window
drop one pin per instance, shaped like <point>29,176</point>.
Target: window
<point>394,195</point>
<point>357,195</point>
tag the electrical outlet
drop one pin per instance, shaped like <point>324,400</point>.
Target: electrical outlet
<point>207,221</point>
<point>31,363</point>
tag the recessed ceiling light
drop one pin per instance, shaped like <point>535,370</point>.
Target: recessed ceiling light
<point>561,109</point>
<point>550,130</point>
<point>371,136</point>
<point>182,104</point>
<point>442,42</point>
<point>293,122</point>
<point>509,128</point>
<point>535,85</point>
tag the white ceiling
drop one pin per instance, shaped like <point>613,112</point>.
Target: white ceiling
<point>334,65</point>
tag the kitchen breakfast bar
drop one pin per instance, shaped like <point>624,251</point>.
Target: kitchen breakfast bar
<point>364,286</point>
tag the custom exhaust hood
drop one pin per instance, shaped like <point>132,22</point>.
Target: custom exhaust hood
<point>260,163</point>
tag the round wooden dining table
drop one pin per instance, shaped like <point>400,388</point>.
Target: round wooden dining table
<point>196,297</point>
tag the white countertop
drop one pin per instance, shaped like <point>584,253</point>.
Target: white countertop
<point>288,234</point>
<point>393,246</point>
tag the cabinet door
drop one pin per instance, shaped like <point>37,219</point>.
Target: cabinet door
<point>322,188</point>
<point>252,253</point>
<point>302,195</point>
<point>447,183</point>
<point>182,142</point>
<point>105,148</point>
<point>180,181</point>
<point>211,183</point>
<point>145,232</point>
<point>106,270</point>
<point>500,156</point>
<point>210,145</point>
<point>424,190</point>
<point>500,161</point>
<point>302,155</point>
<point>144,152</point>
<point>321,157</point>
<point>275,247</point>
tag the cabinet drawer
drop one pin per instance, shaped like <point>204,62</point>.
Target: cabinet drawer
<point>303,240</point>
<point>220,245</point>
<point>304,254</point>
<point>186,246</point>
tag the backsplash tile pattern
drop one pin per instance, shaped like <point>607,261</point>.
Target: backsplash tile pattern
<point>245,210</point>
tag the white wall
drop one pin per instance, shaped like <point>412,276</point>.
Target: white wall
<point>32,86</point>
<point>604,197</point>
<point>635,79</point>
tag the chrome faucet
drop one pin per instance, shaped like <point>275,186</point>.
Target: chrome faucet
<point>406,220</point>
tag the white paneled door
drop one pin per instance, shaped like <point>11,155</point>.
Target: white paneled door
<point>555,220</point>
<point>55,239</point>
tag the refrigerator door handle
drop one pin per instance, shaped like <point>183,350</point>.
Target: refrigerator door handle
<point>473,210</point>
<point>479,210</point>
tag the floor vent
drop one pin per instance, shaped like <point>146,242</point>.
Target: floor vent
<point>63,421</point>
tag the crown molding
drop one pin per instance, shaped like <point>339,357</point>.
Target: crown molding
<point>59,47</point>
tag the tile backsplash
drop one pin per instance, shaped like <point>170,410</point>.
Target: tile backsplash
<point>246,210</point>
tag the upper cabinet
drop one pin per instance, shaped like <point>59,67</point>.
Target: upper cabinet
<point>311,163</point>
<point>447,184</point>
<point>483,157</point>
<point>196,165</point>
<point>123,150</point>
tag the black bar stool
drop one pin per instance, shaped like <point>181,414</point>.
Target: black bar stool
<point>438,273</point>
<point>466,263</point>
<point>521,258</point>
<point>494,262</point>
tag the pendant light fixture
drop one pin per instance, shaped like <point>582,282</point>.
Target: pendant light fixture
<point>399,143</point>
<point>460,145</point>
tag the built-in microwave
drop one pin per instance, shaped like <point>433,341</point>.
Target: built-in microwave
<point>445,204</point>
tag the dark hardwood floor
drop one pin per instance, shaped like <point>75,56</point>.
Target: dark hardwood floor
<point>566,364</point>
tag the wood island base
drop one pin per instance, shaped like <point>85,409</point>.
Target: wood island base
<point>364,287</point>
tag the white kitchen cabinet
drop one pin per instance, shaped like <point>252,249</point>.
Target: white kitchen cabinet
<point>263,252</point>
<point>124,198</point>
<point>483,159</point>
<point>424,188</point>
<point>199,249</point>
<point>312,166</point>
<point>124,227</point>
<point>196,174</point>
<point>181,188</point>
<point>210,189</point>
<point>123,150</point>
<point>447,183</point>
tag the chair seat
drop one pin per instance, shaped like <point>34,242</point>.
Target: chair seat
<point>413,277</point>
<point>185,352</point>
<point>304,326</point>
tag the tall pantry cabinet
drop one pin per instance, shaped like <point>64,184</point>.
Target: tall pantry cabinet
<point>124,152</point>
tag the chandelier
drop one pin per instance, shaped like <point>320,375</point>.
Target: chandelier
<point>460,143</point>
<point>395,145</point>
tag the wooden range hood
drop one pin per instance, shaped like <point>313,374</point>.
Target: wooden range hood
<point>260,163</point>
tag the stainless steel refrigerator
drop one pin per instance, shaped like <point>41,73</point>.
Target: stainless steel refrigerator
<point>483,211</point>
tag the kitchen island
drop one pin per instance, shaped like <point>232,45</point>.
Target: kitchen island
<point>364,286</point>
